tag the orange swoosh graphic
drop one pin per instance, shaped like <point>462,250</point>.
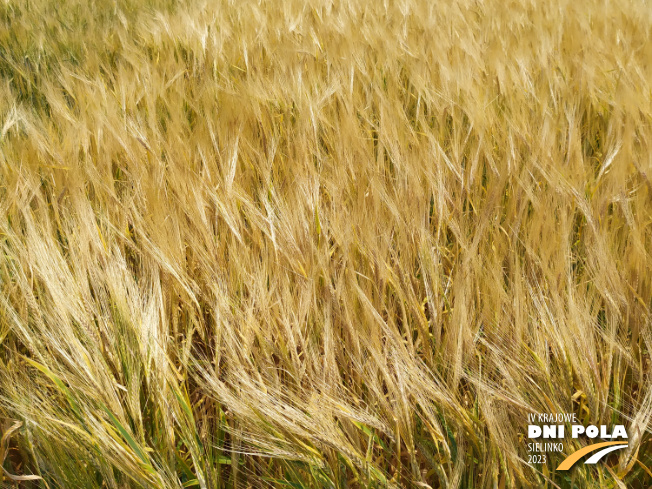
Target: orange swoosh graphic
<point>574,457</point>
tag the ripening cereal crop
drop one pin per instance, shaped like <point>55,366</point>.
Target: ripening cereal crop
<point>325,243</point>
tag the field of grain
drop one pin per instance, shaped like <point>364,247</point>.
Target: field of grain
<point>322,243</point>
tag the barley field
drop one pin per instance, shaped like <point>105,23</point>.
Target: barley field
<point>322,243</point>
